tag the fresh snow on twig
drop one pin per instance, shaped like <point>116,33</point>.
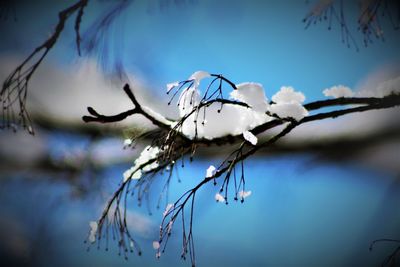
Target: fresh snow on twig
<point>127,142</point>
<point>172,85</point>
<point>289,110</point>
<point>252,94</point>
<point>93,230</point>
<point>211,171</point>
<point>132,173</point>
<point>198,76</point>
<point>251,138</point>
<point>288,104</point>
<point>287,94</point>
<point>338,91</point>
<point>217,120</point>
<point>156,245</point>
<point>219,197</point>
<point>149,153</point>
<point>156,115</point>
<point>243,194</point>
<point>188,100</point>
<point>167,209</point>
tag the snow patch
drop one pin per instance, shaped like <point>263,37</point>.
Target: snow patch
<point>251,138</point>
<point>211,171</point>
<point>172,85</point>
<point>149,153</point>
<point>198,76</point>
<point>385,88</point>
<point>252,94</point>
<point>156,245</point>
<point>93,230</point>
<point>338,91</point>
<point>288,104</point>
<point>243,194</point>
<point>289,110</point>
<point>287,94</point>
<point>219,197</point>
<point>167,209</point>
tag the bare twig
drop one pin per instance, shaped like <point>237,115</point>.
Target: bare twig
<point>15,87</point>
<point>369,20</point>
<point>96,40</point>
<point>390,260</point>
<point>326,10</point>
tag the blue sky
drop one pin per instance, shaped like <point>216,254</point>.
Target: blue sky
<point>262,41</point>
<point>300,213</point>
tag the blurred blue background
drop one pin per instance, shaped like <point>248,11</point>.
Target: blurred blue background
<point>302,211</point>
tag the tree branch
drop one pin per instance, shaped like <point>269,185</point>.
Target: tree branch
<point>107,119</point>
<point>155,118</point>
<point>369,103</point>
<point>15,87</point>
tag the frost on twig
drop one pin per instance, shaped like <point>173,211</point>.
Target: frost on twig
<point>246,115</point>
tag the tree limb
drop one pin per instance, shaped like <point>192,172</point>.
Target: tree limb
<point>15,87</point>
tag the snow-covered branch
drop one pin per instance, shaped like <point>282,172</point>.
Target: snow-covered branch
<point>206,118</point>
<point>253,115</point>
